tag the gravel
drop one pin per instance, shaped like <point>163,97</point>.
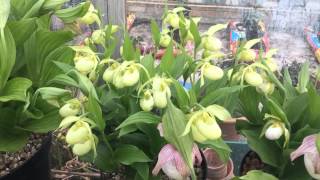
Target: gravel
<point>10,161</point>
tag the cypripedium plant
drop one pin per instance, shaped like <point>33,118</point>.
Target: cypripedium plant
<point>281,118</point>
<point>29,97</point>
<point>116,119</point>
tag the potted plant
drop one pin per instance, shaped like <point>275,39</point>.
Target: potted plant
<point>141,116</point>
<point>28,106</point>
<point>281,120</point>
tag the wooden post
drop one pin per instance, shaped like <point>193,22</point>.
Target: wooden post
<point>113,12</point>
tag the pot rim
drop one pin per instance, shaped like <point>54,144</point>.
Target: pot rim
<point>44,144</point>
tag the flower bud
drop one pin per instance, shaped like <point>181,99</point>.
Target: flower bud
<point>212,72</point>
<point>146,103</point>
<point>253,78</point>
<point>78,133</point>
<point>118,80</point>
<point>208,127</point>
<point>84,66</point>
<point>160,99</point>
<point>274,132</point>
<point>131,76</point>
<point>272,64</point>
<point>266,88</point>
<point>164,40</point>
<point>109,73</point>
<point>212,43</point>
<point>72,108</point>
<point>173,19</point>
<point>247,55</point>
<point>196,135</point>
<point>90,17</point>
<point>81,149</point>
<point>98,36</point>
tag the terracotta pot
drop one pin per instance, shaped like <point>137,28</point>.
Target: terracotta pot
<point>217,170</point>
<point>229,132</point>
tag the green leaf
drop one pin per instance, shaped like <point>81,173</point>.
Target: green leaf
<point>295,108</point>
<point>142,169</point>
<point>84,82</point>
<point>22,29</point>
<point>69,15</point>
<point>128,52</point>
<point>287,83</point>
<point>11,138</point>
<point>214,96</point>
<point>182,96</point>
<point>148,62</point>
<point>304,77</point>
<point>140,117</point>
<point>276,110</point>
<point>15,90</point>
<point>34,10</point>
<point>93,107</point>
<point>268,151</point>
<point>63,79</point>
<point>195,33</point>
<point>167,59</point>
<point>174,122</point>
<point>257,174</point>
<point>178,65</point>
<point>216,28</point>
<point>313,108</point>
<point>220,147</point>
<point>104,160</point>
<point>39,46</point>
<point>129,154</point>
<point>7,55</point>
<point>53,4</point>
<point>49,122</point>
<point>49,70</point>
<point>4,13</point>
<point>155,32</point>
<point>127,129</point>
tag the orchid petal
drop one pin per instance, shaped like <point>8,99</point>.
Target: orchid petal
<point>160,129</point>
<point>181,165</point>
<point>166,154</point>
<point>307,146</point>
<point>219,112</point>
<point>311,160</point>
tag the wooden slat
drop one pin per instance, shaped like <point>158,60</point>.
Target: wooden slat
<point>114,12</point>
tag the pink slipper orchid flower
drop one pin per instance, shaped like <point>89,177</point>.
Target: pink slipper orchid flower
<point>311,155</point>
<point>172,163</point>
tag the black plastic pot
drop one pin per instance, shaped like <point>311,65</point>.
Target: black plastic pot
<point>204,168</point>
<point>252,156</point>
<point>36,168</point>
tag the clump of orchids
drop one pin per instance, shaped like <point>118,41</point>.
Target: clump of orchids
<point>154,92</point>
<point>79,135</point>
<point>252,71</point>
